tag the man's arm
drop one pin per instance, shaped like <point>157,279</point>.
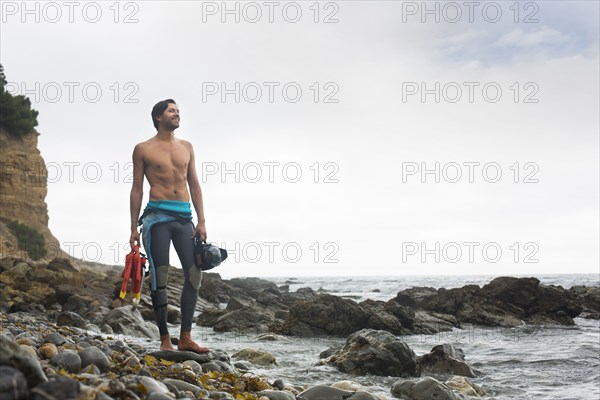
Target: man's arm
<point>196,193</point>
<point>137,193</point>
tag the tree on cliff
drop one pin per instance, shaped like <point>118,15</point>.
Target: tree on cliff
<point>16,114</point>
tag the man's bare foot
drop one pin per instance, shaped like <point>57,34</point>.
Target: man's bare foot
<point>165,343</point>
<point>187,344</point>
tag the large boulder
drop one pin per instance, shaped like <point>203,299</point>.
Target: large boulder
<point>251,318</point>
<point>426,388</point>
<point>376,352</point>
<point>589,298</point>
<point>325,314</point>
<point>506,302</point>
<point>445,359</point>
<point>128,321</point>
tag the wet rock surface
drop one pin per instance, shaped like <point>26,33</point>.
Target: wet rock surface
<point>445,359</point>
<point>375,352</point>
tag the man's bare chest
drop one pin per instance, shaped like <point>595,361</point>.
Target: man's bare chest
<point>167,158</point>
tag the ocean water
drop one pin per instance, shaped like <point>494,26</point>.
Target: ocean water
<point>528,362</point>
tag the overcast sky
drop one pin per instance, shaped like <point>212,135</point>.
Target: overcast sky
<point>332,138</point>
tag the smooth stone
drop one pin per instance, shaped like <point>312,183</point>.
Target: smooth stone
<point>55,338</point>
<point>243,365</point>
<point>180,356</point>
<point>151,385</point>
<point>93,328</point>
<point>195,366</point>
<point>426,388</point>
<point>60,388</point>
<point>26,341</point>
<point>48,350</point>
<point>95,356</point>
<point>217,365</point>
<point>106,329</point>
<point>69,318</point>
<point>67,359</point>
<point>12,384</point>
<point>184,386</point>
<point>257,357</point>
<point>29,350</point>
<point>279,384</point>
<point>13,355</point>
<point>276,395</point>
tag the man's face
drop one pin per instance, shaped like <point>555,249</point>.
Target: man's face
<point>170,117</point>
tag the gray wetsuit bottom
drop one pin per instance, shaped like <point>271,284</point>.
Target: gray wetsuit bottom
<point>180,233</point>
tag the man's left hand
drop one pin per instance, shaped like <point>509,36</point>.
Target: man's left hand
<point>200,230</point>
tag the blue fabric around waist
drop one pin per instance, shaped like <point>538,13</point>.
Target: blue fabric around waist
<point>180,207</point>
<point>157,212</point>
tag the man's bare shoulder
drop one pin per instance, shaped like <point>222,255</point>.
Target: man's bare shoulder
<point>187,145</point>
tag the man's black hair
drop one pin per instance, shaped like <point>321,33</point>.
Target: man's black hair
<point>159,108</point>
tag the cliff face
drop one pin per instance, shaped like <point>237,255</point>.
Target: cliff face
<point>23,188</point>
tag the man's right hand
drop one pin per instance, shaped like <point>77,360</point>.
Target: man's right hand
<point>133,238</point>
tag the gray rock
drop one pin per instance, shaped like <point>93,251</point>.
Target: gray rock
<point>60,388</point>
<point>12,355</point>
<point>67,359</point>
<point>194,365</point>
<point>55,338</point>
<point>217,365</point>
<point>129,321</point>
<point>243,365</point>
<point>256,357</point>
<point>92,328</point>
<point>279,384</point>
<point>253,318</point>
<point>375,352</point>
<point>106,329</point>
<point>446,359</point>
<point>220,395</point>
<point>276,395</point>
<point>321,392</point>
<point>94,356</point>
<point>184,386</point>
<point>147,384</point>
<point>424,389</point>
<point>12,384</point>
<point>70,318</point>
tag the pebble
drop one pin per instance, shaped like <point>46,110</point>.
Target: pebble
<point>69,318</point>
<point>67,359</point>
<point>48,350</point>
<point>95,356</point>
<point>55,338</point>
<point>29,349</point>
<point>195,366</point>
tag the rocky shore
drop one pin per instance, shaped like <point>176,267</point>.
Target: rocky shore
<point>64,334</point>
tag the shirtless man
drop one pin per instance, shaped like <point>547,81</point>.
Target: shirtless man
<point>169,165</point>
